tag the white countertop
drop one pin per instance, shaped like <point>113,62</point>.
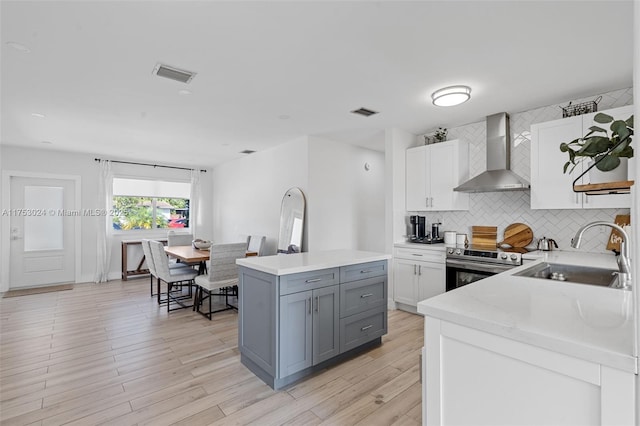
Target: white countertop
<point>585,321</point>
<point>284,264</point>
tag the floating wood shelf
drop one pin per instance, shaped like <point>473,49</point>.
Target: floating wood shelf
<point>621,187</point>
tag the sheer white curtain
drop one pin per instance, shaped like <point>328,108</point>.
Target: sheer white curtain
<point>105,222</point>
<point>195,201</point>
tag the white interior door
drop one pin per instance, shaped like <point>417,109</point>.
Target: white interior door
<point>42,247</point>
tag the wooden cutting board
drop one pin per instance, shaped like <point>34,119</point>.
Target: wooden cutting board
<point>484,235</point>
<point>615,238</point>
<point>517,235</point>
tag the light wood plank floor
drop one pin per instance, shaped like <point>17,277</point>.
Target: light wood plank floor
<point>108,354</point>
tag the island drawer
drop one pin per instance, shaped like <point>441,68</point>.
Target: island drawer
<point>361,271</point>
<point>304,281</point>
<point>362,328</point>
<point>362,295</point>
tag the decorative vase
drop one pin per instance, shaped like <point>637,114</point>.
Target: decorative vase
<point>620,173</point>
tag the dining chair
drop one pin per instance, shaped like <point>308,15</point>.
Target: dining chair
<point>172,276</point>
<point>181,239</point>
<point>148,256</point>
<point>146,249</point>
<point>256,243</point>
<point>222,277</point>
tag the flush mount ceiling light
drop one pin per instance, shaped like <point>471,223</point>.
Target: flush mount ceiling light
<point>452,95</point>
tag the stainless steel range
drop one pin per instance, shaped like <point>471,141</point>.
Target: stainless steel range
<point>470,264</point>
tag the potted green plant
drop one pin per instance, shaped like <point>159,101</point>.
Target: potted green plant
<point>599,146</point>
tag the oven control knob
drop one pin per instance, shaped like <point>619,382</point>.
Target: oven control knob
<point>504,256</point>
<point>514,257</point>
<point>450,251</point>
<point>458,251</point>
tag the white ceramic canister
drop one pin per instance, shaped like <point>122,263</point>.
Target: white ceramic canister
<point>461,239</point>
<point>450,237</point>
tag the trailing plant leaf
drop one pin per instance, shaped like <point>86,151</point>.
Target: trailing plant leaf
<point>608,163</point>
<point>602,118</point>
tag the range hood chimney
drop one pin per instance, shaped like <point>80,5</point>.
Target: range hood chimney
<point>498,176</point>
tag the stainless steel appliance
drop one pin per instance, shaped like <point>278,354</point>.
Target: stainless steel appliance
<point>467,265</point>
<point>418,231</point>
<point>498,176</point>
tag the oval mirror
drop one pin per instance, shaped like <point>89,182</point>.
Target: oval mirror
<point>291,221</point>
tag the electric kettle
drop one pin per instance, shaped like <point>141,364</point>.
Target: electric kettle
<point>546,244</point>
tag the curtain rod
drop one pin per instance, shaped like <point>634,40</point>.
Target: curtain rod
<point>148,164</point>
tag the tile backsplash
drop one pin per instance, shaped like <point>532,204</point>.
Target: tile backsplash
<point>502,208</point>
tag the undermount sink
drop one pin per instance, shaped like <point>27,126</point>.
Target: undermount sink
<point>572,273</point>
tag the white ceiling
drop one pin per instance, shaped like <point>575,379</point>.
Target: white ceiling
<point>90,70</point>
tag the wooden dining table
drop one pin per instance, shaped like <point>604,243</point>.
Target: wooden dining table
<point>190,254</point>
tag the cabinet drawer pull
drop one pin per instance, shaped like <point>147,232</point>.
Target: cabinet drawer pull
<point>366,271</point>
<point>366,295</point>
<point>416,254</point>
<point>315,280</point>
<point>366,327</point>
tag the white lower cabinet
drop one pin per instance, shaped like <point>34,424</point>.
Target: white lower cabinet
<point>418,274</point>
<point>474,377</point>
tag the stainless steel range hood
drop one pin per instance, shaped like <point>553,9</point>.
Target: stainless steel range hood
<point>498,176</point>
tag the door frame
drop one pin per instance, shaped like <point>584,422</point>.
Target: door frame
<point>6,221</point>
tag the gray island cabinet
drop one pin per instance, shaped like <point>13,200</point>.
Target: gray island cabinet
<point>299,313</point>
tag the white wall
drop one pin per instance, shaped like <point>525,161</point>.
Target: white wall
<point>635,209</point>
<point>247,192</point>
<point>346,202</point>
<point>396,143</point>
<point>14,158</point>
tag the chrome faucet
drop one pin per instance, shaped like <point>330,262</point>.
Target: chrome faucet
<point>624,263</point>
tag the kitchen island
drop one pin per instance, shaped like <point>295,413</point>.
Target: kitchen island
<point>511,350</point>
<point>299,313</point>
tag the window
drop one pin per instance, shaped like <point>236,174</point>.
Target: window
<point>150,204</point>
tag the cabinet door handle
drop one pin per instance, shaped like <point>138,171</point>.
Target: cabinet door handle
<point>366,295</point>
<point>414,269</point>
<point>366,327</point>
<point>431,198</point>
<point>426,201</point>
<point>315,280</point>
<point>419,269</point>
<point>309,305</point>
<point>585,197</point>
<point>317,303</point>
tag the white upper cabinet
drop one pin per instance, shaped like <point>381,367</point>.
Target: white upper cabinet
<point>432,171</point>
<point>550,187</point>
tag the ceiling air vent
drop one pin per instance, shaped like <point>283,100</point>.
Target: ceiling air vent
<point>173,73</point>
<point>247,151</point>
<point>364,112</point>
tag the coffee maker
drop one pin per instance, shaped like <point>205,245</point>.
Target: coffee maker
<point>419,233</point>
<point>418,227</point>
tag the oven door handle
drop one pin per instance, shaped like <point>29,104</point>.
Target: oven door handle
<point>481,267</point>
